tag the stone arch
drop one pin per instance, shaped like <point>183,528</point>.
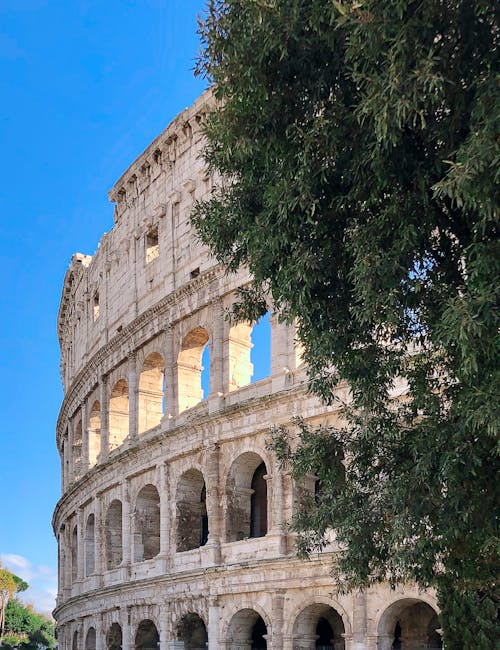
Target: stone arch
<point>114,637</point>
<point>118,414</point>
<point>74,553</point>
<point>192,631</point>
<point>189,368</point>
<point>246,498</point>
<point>77,450</point>
<point>248,629</point>
<point>319,625</point>
<point>146,636</point>
<point>151,392</point>
<point>409,624</point>
<point>90,639</point>
<point>94,433</point>
<point>113,535</point>
<point>90,545</point>
<point>147,524</point>
<point>191,511</point>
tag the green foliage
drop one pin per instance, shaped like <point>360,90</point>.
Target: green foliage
<point>359,143</point>
<point>26,628</point>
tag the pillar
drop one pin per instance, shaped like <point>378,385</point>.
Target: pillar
<point>127,535</point>
<point>100,633</point>
<point>278,604</point>
<point>214,511</point>
<point>71,468</point>
<point>163,620</point>
<point>133,398</point>
<point>104,402</point>
<point>359,641</point>
<point>85,438</point>
<point>100,542</point>
<point>127,640</point>
<point>81,543</point>
<point>213,624</point>
<point>170,381</point>
<point>278,508</point>
<point>218,385</point>
<point>163,489</point>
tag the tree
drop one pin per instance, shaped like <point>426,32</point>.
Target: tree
<point>10,584</point>
<point>26,629</point>
<point>358,148</point>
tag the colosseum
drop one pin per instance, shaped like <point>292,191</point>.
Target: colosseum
<point>172,524</point>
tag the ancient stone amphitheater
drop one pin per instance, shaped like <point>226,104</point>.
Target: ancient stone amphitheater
<point>172,525</point>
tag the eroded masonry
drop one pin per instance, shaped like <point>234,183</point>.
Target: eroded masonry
<point>172,525</point>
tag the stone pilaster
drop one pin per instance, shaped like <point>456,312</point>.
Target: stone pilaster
<point>104,402</point>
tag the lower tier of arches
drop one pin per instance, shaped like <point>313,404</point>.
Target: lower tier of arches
<point>308,618</point>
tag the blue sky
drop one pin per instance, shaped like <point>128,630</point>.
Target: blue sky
<point>85,86</point>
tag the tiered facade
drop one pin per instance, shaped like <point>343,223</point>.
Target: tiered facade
<point>172,525</point>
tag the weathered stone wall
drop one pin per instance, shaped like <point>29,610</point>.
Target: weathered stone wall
<point>155,520</point>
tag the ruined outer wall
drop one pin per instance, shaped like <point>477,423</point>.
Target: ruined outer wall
<point>137,441</point>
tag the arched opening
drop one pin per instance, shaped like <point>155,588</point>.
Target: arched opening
<point>90,639</point>
<point>77,450</point>
<point>319,627</point>
<point>258,503</point>
<point>249,352</point>
<point>113,535</point>
<point>114,638</point>
<point>94,433</point>
<point>189,368</point>
<point>147,524</point>
<point>409,624</point>
<point>193,632</point>
<point>118,414</point>
<point>90,545</point>
<point>246,494</point>
<point>260,354</point>
<point>151,392</point>
<point>247,631</point>
<point>191,511</point>
<point>74,641</point>
<point>74,554</point>
<point>146,637</point>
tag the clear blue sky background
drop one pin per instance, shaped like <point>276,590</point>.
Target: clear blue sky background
<point>85,86</point>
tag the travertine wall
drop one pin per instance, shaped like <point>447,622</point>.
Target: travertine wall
<point>172,521</point>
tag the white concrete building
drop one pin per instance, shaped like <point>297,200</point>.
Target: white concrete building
<point>172,525</point>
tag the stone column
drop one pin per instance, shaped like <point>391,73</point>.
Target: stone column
<point>85,438</point>
<point>278,508</point>
<point>133,398</point>
<point>71,467</point>
<point>215,520</point>
<point>163,488</point>
<point>163,620</point>
<point>277,617</point>
<point>127,533</point>
<point>213,623</point>
<point>100,633</point>
<point>280,369</point>
<point>127,640</point>
<point>65,462</point>
<point>81,544</point>
<point>100,541</point>
<point>170,378</point>
<point>104,402</point>
<point>218,386</point>
<point>359,641</point>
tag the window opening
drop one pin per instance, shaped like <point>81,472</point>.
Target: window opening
<point>152,245</point>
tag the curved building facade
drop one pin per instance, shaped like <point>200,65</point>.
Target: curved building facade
<point>172,524</point>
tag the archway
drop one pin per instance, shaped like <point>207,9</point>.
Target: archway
<point>189,368</point>
<point>151,392</point>
<point>193,632</point>
<point>191,511</point>
<point>146,637</point>
<point>318,627</point>
<point>113,535</point>
<point>90,545</point>
<point>118,414</point>
<point>249,352</point>
<point>147,524</point>
<point>246,492</point>
<point>247,631</point>
<point>114,637</point>
<point>409,624</point>
<point>90,639</point>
